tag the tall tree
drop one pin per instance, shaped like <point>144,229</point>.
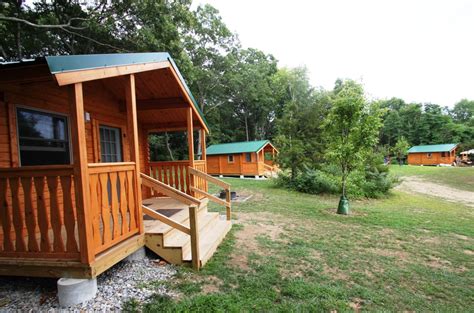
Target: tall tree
<point>352,128</point>
<point>299,115</point>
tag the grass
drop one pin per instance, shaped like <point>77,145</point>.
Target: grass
<point>457,177</point>
<point>290,252</point>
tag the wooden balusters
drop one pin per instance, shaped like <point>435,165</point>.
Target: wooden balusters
<point>29,214</point>
<point>37,217</point>
<point>6,217</point>
<point>45,242</point>
<point>56,219</point>
<point>68,212</point>
<point>114,209</point>
<point>18,218</point>
<point>172,173</point>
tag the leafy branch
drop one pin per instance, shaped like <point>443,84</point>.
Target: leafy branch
<point>61,26</point>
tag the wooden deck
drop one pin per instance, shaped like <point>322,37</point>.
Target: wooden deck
<point>167,242</point>
<point>173,245</point>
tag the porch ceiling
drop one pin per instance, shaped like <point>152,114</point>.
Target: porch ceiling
<point>161,104</point>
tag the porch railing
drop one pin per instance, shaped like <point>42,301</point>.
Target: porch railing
<point>200,175</point>
<point>114,208</point>
<point>172,173</point>
<point>176,174</point>
<point>38,216</point>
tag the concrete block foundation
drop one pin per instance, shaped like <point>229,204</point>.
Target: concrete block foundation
<point>138,255</point>
<point>72,291</point>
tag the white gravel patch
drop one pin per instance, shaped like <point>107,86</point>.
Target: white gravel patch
<point>122,282</point>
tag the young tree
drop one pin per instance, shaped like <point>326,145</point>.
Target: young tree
<point>352,129</point>
<point>400,149</point>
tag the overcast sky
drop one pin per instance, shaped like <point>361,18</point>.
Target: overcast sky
<point>420,51</point>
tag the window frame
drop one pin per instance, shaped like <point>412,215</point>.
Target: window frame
<point>60,114</point>
<point>248,154</point>
<point>120,145</point>
<point>229,156</point>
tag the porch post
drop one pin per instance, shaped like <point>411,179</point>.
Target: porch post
<point>190,137</point>
<point>203,144</point>
<point>132,130</point>
<point>203,155</point>
<point>190,130</point>
<point>81,173</point>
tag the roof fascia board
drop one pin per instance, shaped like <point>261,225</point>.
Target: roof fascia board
<point>185,90</point>
<point>268,143</point>
<point>72,77</point>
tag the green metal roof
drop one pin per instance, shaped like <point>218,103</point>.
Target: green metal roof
<point>70,63</point>
<point>236,147</point>
<point>67,63</point>
<point>432,148</point>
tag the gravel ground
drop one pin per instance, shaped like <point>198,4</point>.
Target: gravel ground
<point>124,281</point>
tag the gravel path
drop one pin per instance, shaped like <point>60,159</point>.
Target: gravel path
<point>124,281</point>
<point>414,184</point>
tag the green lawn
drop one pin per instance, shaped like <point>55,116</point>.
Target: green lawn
<point>458,177</point>
<point>290,252</point>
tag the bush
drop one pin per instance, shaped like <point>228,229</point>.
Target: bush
<point>373,182</point>
<point>310,181</point>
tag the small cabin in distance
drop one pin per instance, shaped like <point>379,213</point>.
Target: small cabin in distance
<point>432,154</point>
<point>247,158</point>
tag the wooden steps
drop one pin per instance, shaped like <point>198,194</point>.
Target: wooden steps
<point>173,245</point>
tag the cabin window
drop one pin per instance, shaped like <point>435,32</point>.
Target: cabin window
<point>110,144</point>
<point>42,137</point>
<point>248,157</point>
<point>443,154</point>
<point>230,158</point>
<point>429,155</point>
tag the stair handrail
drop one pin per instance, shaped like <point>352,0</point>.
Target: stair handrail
<point>211,179</point>
<point>193,205</point>
<point>165,219</point>
<point>169,191</point>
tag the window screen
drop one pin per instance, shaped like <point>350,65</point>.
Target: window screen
<point>110,144</point>
<point>43,138</point>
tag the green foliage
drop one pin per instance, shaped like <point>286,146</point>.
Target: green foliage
<point>400,149</point>
<point>351,128</point>
<point>299,130</point>
<point>428,123</point>
<point>310,181</point>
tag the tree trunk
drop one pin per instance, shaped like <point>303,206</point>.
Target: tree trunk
<point>246,128</point>
<point>344,179</point>
<point>18,42</point>
<point>168,146</point>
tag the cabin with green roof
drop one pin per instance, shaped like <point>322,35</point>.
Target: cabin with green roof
<point>432,154</point>
<point>78,191</point>
<point>247,158</point>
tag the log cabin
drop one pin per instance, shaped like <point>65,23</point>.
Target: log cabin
<point>78,192</point>
<point>247,158</point>
<point>432,154</point>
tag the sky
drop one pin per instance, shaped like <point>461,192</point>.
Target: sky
<point>420,51</point>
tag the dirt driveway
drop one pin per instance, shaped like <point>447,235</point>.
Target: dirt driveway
<point>414,184</point>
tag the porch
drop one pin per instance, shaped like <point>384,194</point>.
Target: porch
<point>79,219</point>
